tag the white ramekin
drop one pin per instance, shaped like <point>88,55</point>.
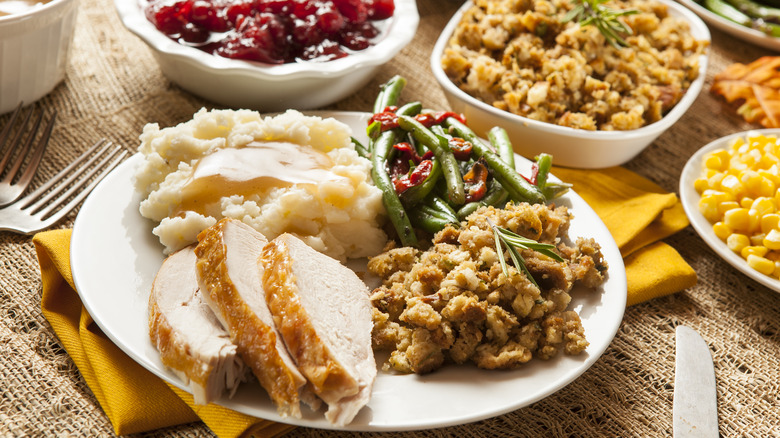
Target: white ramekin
<point>34,48</point>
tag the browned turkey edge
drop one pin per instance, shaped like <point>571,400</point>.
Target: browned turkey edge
<point>256,339</point>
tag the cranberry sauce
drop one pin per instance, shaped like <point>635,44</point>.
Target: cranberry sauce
<point>271,31</point>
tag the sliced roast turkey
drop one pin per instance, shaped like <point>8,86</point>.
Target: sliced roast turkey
<point>191,340</point>
<point>322,311</point>
<point>229,276</point>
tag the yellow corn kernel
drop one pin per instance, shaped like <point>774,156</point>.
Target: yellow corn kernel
<point>746,202</point>
<point>708,206</point>
<point>772,239</point>
<point>757,239</point>
<point>751,180</point>
<point>761,264</point>
<point>737,241</point>
<point>765,187</point>
<point>722,230</point>
<point>700,185</point>
<point>771,173</point>
<point>769,222</point>
<point>760,251</point>
<point>764,205</point>
<point>725,206</point>
<point>731,184</point>
<point>715,162</point>
<point>773,255</point>
<point>737,219</point>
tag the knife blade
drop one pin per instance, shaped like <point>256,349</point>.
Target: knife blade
<point>695,398</point>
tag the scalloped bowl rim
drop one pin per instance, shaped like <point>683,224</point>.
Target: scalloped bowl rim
<point>399,32</point>
<point>698,28</point>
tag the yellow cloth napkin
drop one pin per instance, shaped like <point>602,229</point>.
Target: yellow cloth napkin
<point>134,399</point>
<point>637,212</point>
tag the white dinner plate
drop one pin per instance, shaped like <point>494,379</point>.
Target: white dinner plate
<point>690,201</point>
<point>742,32</point>
<point>114,258</point>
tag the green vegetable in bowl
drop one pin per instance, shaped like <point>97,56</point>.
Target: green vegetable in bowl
<point>761,17</point>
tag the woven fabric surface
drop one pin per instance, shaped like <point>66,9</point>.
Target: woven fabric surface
<point>114,87</point>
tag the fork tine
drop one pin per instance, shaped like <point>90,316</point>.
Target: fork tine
<point>7,129</point>
<point>49,216</point>
<point>65,174</point>
<point>25,150</point>
<point>37,154</point>
<point>17,138</point>
<point>80,176</point>
<point>59,194</point>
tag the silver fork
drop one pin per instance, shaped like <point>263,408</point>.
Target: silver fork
<point>59,196</point>
<point>12,185</point>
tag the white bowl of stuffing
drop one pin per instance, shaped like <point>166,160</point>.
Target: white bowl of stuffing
<point>35,42</point>
<point>274,55</point>
<point>564,89</point>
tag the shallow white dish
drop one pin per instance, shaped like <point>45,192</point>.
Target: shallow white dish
<point>115,257</point>
<point>690,201</point>
<point>570,147</point>
<point>742,32</point>
<point>243,84</point>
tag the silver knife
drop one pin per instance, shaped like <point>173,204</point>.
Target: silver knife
<point>695,399</point>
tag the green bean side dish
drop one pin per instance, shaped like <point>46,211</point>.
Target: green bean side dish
<point>761,15</point>
<point>433,170</point>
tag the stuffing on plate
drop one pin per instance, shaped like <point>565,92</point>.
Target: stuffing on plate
<point>453,303</point>
<point>520,56</point>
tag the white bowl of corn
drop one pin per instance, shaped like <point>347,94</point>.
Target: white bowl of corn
<point>730,190</point>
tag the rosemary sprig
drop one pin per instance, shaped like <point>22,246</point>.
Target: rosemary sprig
<point>606,20</point>
<point>513,242</point>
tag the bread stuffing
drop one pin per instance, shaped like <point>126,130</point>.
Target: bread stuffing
<point>453,303</point>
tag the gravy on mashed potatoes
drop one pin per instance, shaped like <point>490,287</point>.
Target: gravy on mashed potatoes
<point>287,173</point>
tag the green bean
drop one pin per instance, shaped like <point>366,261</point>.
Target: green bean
<point>389,93</point>
<point>427,221</point>
<point>554,189</point>
<point>360,149</point>
<point>757,10</point>
<point>543,163</point>
<point>410,109</point>
<point>729,12</point>
<point>518,188</point>
<point>455,190</point>
<point>415,195</point>
<point>500,140</point>
<point>439,204</point>
<point>395,209</point>
<point>495,196</point>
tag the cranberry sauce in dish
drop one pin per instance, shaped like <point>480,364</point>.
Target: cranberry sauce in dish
<point>272,31</point>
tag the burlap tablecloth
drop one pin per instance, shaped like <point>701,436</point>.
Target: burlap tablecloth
<point>114,86</point>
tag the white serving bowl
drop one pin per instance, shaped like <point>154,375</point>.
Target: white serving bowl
<point>34,49</point>
<point>569,147</point>
<point>268,88</point>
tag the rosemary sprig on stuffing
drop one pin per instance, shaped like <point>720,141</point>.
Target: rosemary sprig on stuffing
<point>513,242</point>
<point>606,20</point>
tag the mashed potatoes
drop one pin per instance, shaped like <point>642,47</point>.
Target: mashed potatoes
<point>287,173</point>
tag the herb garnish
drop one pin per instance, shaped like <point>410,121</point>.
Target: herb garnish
<point>513,242</point>
<point>606,20</point>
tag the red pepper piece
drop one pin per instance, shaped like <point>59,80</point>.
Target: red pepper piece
<point>403,182</point>
<point>388,119</point>
<point>441,116</point>
<point>460,148</point>
<point>476,181</point>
